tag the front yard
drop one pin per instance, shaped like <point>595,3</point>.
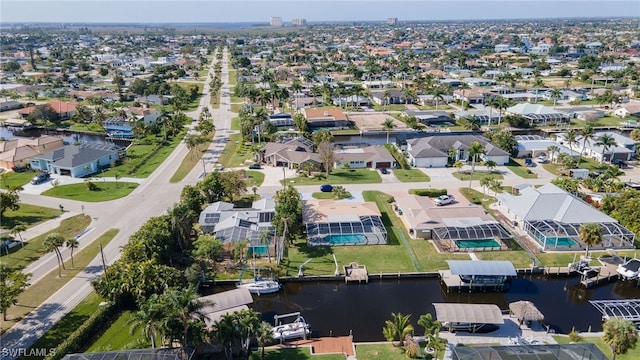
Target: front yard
<point>338,176</point>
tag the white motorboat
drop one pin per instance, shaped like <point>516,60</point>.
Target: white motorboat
<point>629,269</point>
<point>260,287</point>
<point>294,330</point>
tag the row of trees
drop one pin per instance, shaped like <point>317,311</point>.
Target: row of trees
<point>400,331</point>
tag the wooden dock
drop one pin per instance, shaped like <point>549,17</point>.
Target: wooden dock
<point>454,282</point>
<point>356,272</point>
<point>606,275</point>
<point>558,270</point>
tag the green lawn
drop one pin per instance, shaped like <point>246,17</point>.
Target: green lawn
<point>301,353</point>
<point>235,123</point>
<point>35,295</point>
<point>585,163</point>
<point>411,175</point>
<point>339,176</point>
<point>464,175</point>
<point>34,248</point>
<point>16,179</point>
<point>118,336</point>
<point>190,160</point>
<point>236,153</point>
<point>385,351</point>
<point>391,107</point>
<point>254,178</point>
<point>137,163</point>
<point>106,191</point>
<point>28,215</point>
<point>236,107</point>
<point>328,195</point>
<point>518,258</point>
<point>633,354</point>
<point>517,167</point>
<point>67,325</point>
<point>91,127</point>
<point>232,78</point>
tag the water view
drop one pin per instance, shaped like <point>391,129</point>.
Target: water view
<point>336,308</point>
<point>69,138</point>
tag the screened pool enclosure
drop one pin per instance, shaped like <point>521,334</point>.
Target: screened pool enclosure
<point>551,235</point>
<point>347,230</point>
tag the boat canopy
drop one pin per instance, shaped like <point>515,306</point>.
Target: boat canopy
<point>225,303</point>
<point>468,313</point>
<point>481,268</point>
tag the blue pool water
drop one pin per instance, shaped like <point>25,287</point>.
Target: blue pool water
<point>479,243</point>
<point>346,239</point>
<point>562,241</point>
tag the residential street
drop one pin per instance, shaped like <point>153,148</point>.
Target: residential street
<point>153,197</point>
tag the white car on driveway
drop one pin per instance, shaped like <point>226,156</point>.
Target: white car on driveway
<point>444,200</point>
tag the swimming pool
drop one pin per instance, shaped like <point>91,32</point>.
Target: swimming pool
<point>562,242</point>
<point>477,243</point>
<point>345,239</point>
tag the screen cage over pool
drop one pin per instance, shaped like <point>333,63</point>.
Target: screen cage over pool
<point>447,237</point>
<point>138,354</point>
<point>370,227</point>
<point>547,233</point>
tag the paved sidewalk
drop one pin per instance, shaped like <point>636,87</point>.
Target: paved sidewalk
<point>42,228</point>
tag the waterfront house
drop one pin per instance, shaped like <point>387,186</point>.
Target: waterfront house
<point>440,150</point>
<point>538,114</point>
<point>292,154</point>
<point>373,157</point>
<point>16,153</point>
<point>326,118</point>
<point>77,160</point>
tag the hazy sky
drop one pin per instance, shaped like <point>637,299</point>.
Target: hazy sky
<point>163,11</point>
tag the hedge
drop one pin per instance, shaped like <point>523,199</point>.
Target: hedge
<point>428,192</point>
<point>78,340</point>
<point>399,156</point>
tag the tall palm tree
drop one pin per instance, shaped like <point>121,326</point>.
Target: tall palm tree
<point>387,126</point>
<point>53,242</point>
<point>385,95</point>
<point>590,234</point>
<point>571,137</point>
<point>437,93</point>
<point>553,150</point>
<point>501,104</point>
<point>72,244</point>
<point>463,87</point>
<point>491,102</point>
<point>471,123</point>
<point>484,183</point>
<point>606,141</point>
<point>19,228</point>
<point>150,317</point>
<point>186,306</point>
<point>163,118</point>
<point>586,134</point>
<point>264,335</point>
<point>555,94</point>
<point>476,149</point>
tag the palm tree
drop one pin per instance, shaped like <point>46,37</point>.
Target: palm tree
<point>495,185</point>
<point>227,333</point>
<point>491,165</point>
<point>501,104</point>
<point>555,94</point>
<point>491,102</point>
<point>399,327</point>
<point>475,150</point>
<point>571,137</point>
<point>471,123</point>
<point>264,335</point>
<point>463,87</point>
<point>150,316</point>
<point>437,93</point>
<point>186,306</point>
<point>387,126</point>
<point>164,117</point>
<point>553,150</point>
<point>265,239</point>
<point>53,242</point>
<point>586,134</point>
<point>385,95</point>
<point>606,141</point>
<point>485,181</point>
<point>19,228</point>
<point>590,234</point>
<point>72,244</point>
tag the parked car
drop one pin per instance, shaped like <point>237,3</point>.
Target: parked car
<point>326,188</point>
<point>384,171</point>
<point>254,166</point>
<point>528,162</point>
<point>542,159</point>
<point>620,163</point>
<point>41,177</point>
<point>444,200</point>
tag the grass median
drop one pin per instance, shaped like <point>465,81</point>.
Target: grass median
<point>190,161</point>
<point>40,291</point>
<point>103,191</point>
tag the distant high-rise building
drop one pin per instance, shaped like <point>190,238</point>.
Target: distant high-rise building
<point>299,22</point>
<point>276,21</point>
<point>392,21</point>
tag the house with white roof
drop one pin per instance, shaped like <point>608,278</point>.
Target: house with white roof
<point>434,151</point>
<point>624,148</point>
<point>552,218</point>
<point>535,145</point>
<point>538,114</point>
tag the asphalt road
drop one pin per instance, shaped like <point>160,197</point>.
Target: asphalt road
<point>152,198</point>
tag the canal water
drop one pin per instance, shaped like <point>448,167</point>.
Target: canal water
<point>68,137</point>
<point>335,308</point>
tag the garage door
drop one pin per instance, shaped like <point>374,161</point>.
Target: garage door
<point>380,165</point>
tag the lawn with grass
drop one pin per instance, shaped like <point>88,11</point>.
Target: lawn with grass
<point>191,159</point>
<point>253,178</point>
<point>34,248</point>
<point>585,163</point>
<point>67,325</point>
<point>339,176</point>
<point>35,295</point>
<point>106,191</point>
<point>299,353</point>
<point>137,163</point>
<point>632,354</point>
<point>118,336</point>
<point>28,215</point>
<point>235,123</point>
<point>411,175</point>
<point>329,195</point>
<point>517,167</point>
<point>91,127</point>
<point>390,107</point>
<point>233,81</point>
<point>12,179</point>
<point>235,108</point>
<point>518,258</point>
<point>383,352</point>
<point>236,153</point>
<point>464,175</point>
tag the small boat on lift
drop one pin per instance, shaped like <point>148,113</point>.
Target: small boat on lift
<point>293,330</point>
<point>630,269</point>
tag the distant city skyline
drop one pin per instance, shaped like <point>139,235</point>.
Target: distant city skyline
<point>199,11</point>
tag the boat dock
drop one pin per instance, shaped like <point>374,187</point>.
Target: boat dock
<point>355,272</point>
<point>455,283</point>
<point>606,274</point>
<point>558,270</point>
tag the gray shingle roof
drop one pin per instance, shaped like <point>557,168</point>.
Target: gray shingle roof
<point>70,156</point>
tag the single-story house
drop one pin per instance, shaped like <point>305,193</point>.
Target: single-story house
<point>435,151</point>
<point>430,118</point>
<point>16,153</point>
<point>351,101</point>
<point>153,99</point>
<point>292,154</point>
<point>9,105</point>
<point>231,224</point>
<point>623,150</point>
<point>330,222</point>
<point>77,160</point>
<point>629,109</point>
<point>148,115</point>
<point>64,109</point>
<point>430,100</point>
<point>536,145</point>
<point>393,97</point>
<point>373,157</point>
<point>281,120</point>
<point>539,114</point>
<point>479,81</point>
<point>470,96</point>
<point>552,218</point>
<point>326,118</point>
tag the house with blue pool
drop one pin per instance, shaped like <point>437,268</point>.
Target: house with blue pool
<point>78,160</point>
<point>552,217</point>
<point>330,222</point>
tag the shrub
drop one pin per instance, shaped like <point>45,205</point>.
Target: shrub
<point>428,192</point>
<point>91,186</point>
<point>574,336</point>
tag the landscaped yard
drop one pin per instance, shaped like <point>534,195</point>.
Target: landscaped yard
<point>118,336</point>
<point>585,163</point>
<point>464,175</point>
<point>411,175</point>
<point>28,215</point>
<point>385,351</point>
<point>33,296</point>
<point>254,178</point>
<point>339,176</point>
<point>517,167</point>
<point>301,353</point>
<point>519,258</point>
<point>139,162</point>
<point>105,191</point>
<point>633,354</point>
<point>235,153</point>
<point>10,179</point>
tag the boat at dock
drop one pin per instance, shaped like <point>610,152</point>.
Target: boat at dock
<point>260,286</point>
<point>630,269</point>
<point>299,328</point>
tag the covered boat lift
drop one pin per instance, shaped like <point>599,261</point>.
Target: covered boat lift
<point>472,316</point>
<point>470,274</point>
<point>225,303</point>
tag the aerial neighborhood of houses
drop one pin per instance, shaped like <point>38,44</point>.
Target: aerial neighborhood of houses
<point>387,149</point>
